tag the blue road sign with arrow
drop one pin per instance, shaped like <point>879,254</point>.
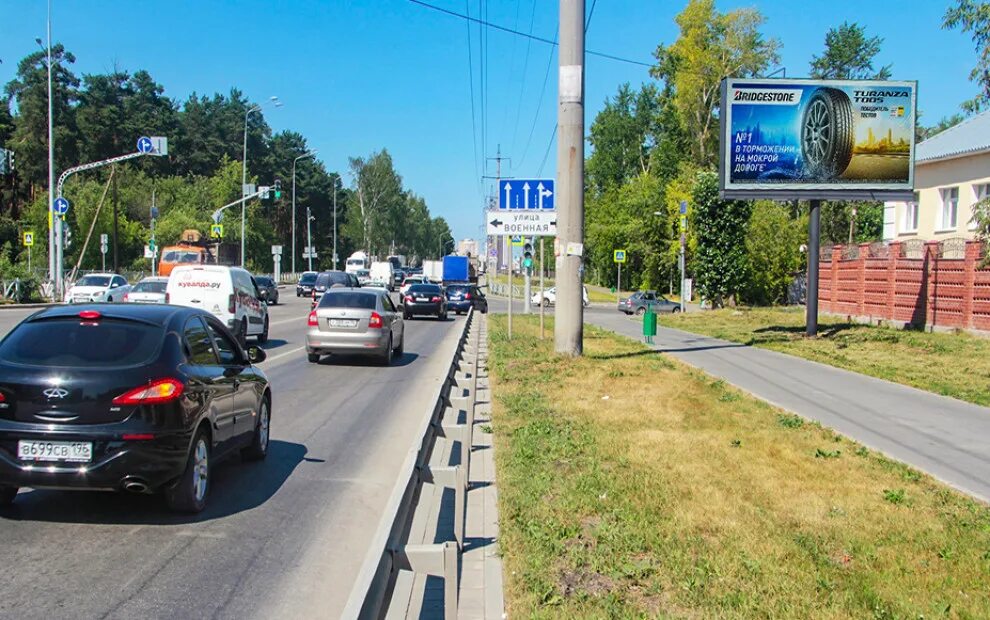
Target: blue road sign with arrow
<point>60,206</point>
<point>526,194</point>
<point>145,145</point>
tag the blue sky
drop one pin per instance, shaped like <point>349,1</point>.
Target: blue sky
<point>356,76</point>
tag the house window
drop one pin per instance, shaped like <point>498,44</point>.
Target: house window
<point>911,215</point>
<point>950,208</point>
<point>981,192</point>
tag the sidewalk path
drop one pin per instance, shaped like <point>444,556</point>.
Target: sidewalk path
<point>947,438</point>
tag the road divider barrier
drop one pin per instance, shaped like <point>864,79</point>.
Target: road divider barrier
<point>393,549</point>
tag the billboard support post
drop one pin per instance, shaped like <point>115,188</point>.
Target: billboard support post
<point>814,239</point>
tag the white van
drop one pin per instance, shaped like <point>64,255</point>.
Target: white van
<point>383,272</point>
<point>356,261</point>
<point>229,293</point>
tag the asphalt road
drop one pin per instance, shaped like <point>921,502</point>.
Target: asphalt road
<point>280,538</point>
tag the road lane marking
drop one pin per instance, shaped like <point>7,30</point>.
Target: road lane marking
<point>284,321</point>
<point>281,355</point>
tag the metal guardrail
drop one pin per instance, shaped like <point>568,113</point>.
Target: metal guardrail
<point>390,550</point>
<point>502,290</point>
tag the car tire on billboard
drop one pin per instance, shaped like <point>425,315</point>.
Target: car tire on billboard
<point>827,133</point>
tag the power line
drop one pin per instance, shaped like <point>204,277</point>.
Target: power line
<point>522,79</point>
<point>529,36</point>
<point>539,104</point>
<point>474,126</point>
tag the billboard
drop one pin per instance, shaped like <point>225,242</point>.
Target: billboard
<point>828,139</point>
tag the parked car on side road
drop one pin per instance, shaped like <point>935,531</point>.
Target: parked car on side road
<point>97,287</point>
<point>461,297</point>
<point>304,288</point>
<point>228,293</point>
<point>638,302</point>
<point>148,291</point>
<point>268,289</point>
<point>146,399</point>
<point>423,299</point>
<point>361,321</point>
<point>549,297</point>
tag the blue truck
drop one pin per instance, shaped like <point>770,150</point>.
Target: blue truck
<point>456,268</point>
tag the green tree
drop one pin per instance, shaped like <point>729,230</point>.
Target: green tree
<point>29,92</point>
<point>773,249</point>
<point>623,135</point>
<point>721,265</point>
<point>849,55</point>
<point>376,198</point>
<point>711,46</point>
<point>973,16</point>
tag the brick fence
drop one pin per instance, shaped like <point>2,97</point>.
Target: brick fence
<point>931,284</point>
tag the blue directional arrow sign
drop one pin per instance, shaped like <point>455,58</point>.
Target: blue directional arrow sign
<point>60,206</point>
<point>526,194</point>
<point>145,145</point>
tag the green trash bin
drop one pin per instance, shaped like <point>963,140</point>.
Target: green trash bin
<point>649,324</point>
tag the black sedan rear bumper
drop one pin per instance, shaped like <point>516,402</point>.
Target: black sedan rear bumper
<point>413,308</point>
<point>116,463</point>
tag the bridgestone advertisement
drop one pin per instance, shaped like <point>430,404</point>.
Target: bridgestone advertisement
<point>799,136</point>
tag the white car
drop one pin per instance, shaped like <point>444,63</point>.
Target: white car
<point>549,297</point>
<point>363,276</point>
<point>229,293</point>
<point>97,287</point>
<point>148,291</point>
<point>409,281</point>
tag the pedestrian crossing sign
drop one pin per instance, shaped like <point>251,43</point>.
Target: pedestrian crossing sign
<point>28,238</point>
<point>619,256</point>
<point>216,231</point>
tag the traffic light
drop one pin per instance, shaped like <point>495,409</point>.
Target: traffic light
<point>528,254</point>
<point>67,235</point>
<point>278,189</point>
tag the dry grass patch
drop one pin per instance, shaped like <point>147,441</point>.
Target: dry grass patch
<point>951,364</point>
<point>677,496</point>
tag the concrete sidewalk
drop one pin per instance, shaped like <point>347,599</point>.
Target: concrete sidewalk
<point>947,438</point>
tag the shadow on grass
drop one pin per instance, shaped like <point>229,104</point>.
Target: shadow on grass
<point>829,331</point>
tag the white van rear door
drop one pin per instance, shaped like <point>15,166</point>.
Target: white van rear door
<point>200,288</point>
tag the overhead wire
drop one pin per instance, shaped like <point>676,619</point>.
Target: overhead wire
<point>474,125</point>
<point>529,36</point>
<point>522,79</point>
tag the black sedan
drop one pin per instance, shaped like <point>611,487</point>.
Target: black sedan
<point>268,289</point>
<point>424,299</point>
<point>130,397</point>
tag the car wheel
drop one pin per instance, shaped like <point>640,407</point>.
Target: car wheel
<point>675,310</point>
<point>406,316</point>
<point>263,338</point>
<point>189,492</point>
<point>442,316</point>
<point>827,134</point>
<point>387,355</point>
<point>313,357</point>
<point>546,302</point>
<point>7,495</point>
<point>402,344</point>
<point>259,443</point>
<point>640,311</point>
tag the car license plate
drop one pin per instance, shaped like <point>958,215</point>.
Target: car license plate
<point>422,299</point>
<point>71,451</point>
<point>343,322</point>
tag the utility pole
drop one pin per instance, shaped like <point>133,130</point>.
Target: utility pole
<point>814,233</point>
<point>309,239</point>
<point>54,223</point>
<point>336,177</point>
<point>154,216</point>
<point>507,240</point>
<point>569,326</point>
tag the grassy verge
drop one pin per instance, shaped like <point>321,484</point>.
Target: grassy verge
<point>956,365</point>
<point>631,486</point>
<point>596,294</point>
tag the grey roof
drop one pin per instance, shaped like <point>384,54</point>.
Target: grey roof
<point>970,136</point>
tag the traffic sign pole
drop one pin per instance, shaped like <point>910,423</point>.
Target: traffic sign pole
<point>543,291</point>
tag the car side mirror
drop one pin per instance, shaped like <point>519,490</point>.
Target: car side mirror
<point>114,285</point>
<point>256,354</point>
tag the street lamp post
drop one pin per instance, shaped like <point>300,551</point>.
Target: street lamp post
<point>309,153</point>
<point>336,177</point>
<point>255,108</point>
<point>53,239</point>
<point>309,238</point>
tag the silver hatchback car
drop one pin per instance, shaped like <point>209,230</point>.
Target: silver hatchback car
<point>359,321</point>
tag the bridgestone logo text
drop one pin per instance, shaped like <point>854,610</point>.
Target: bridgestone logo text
<point>767,96</point>
<point>764,96</point>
